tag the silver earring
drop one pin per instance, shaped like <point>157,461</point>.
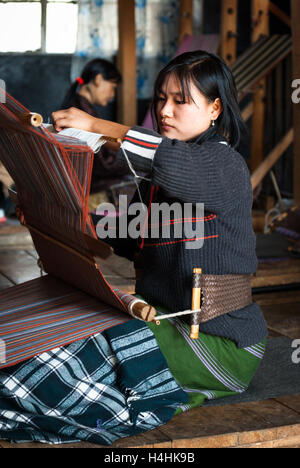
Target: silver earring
<point>213,123</point>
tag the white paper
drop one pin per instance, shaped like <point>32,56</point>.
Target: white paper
<point>93,140</point>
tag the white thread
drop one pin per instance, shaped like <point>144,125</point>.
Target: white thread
<point>176,314</point>
<point>135,176</point>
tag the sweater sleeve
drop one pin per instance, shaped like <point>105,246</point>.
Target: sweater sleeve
<point>210,173</point>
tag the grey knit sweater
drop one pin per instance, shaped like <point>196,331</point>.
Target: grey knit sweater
<point>216,175</point>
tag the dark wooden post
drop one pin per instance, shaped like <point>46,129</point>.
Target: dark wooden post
<point>260,26</point>
<point>185,19</point>
<point>127,96</point>
<point>295,12</point>
<point>229,30</point>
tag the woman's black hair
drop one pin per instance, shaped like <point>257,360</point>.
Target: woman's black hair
<point>107,69</point>
<point>210,74</point>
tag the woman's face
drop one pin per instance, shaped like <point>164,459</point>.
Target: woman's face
<point>103,91</point>
<point>183,120</point>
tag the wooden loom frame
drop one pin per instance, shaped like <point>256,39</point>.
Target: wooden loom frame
<point>61,254</point>
<point>260,165</point>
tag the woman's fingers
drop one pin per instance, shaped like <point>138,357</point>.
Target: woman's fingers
<point>71,118</point>
<point>60,119</point>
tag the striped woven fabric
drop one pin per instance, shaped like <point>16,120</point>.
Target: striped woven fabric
<point>52,175</point>
<point>46,313</point>
<point>259,60</point>
<point>47,173</point>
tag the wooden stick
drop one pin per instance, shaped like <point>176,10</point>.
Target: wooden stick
<point>112,139</point>
<point>31,118</point>
<point>196,302</point>
<point>280,14</point>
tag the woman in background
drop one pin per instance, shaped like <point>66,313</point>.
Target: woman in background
<point>96,86</point>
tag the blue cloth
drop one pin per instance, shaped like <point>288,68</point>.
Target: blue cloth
<point>110,385</point>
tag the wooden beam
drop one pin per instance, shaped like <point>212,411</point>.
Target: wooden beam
<point>280,14</point>
<point>185,19</point>
<point>127,97</point>
<point>229,30</point>
<point>271,159</point>
<point>260,26</point>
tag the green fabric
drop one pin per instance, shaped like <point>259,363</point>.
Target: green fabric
<point>209,367</point>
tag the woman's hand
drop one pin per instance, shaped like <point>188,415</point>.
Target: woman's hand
<point>73,118</point>
<point>76,118</point>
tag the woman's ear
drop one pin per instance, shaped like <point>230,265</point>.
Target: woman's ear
<point>98,79</point>
<point>216,109</point>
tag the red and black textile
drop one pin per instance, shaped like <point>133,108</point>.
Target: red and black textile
<point>52,175</point>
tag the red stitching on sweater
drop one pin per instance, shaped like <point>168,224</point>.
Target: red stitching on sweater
<point>181,240</point>
<point>180,220</point>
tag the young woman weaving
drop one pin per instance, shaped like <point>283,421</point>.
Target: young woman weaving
<point>191,159</point>
<point>118,383</point>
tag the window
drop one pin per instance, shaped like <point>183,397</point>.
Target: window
<point>38,26</point>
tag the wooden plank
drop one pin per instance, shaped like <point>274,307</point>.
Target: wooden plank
<point>278,297</point>
<point>127,100</point>
<point>232,425</point>
<point>286,442</point>
<point>280,273</point>
<point>229,15</point>
<point>295,12</point>
<point>185,19</point>
<point>290,401</point>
